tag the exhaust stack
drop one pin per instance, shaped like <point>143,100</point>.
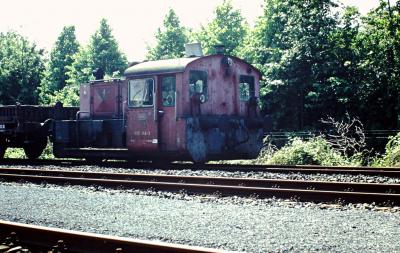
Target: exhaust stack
<point>193,49</point>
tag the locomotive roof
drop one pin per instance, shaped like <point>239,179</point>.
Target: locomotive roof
<point>160,66</point>
<point>169,66</point>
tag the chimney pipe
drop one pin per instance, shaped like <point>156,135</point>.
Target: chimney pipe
<point>193,49</point>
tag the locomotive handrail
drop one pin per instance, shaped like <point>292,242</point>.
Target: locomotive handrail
<point>78,113</point>
<point>155,114</point>
<point>176,107</point>
<point>106,80</point>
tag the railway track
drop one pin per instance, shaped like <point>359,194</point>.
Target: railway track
<point>393,172</point>
<point>17,237</point>
<point>263,188</point>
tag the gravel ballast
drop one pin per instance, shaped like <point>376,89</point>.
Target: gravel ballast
<point>237,224</point>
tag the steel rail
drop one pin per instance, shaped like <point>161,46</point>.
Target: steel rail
<point>225,190</point>
<point>246,182</point>
<point>302,169</point>
<point>82,242</point>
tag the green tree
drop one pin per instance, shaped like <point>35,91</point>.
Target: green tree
<point>79,72</point>
<point>60,58</point>
<point>105,52</point>
<point>101,53</point>
<point>379,50</point>
<point>21,69</point>
<point>320,61</point>
<point>82,67</point>
<point>170,39</point>
<point>337,78</point>
<point>292,46</point>
<point>228,28</point>
<point>265,44</point>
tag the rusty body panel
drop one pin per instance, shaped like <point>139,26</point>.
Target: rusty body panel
<point>141,123</point>
<point>85,97</point>
<point>167,113</point>
<point>223,126</point>
<point>102,99</point>
<point>105,101</point>
<point>142,130</point>
<point>223,85</point>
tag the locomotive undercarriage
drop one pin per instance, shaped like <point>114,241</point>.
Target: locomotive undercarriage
<point>223,137</point>
<point>207,138</point>
<point>94,139</point>
<point>108,133</point>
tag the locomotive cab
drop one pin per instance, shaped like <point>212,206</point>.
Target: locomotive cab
<point>195,108</point>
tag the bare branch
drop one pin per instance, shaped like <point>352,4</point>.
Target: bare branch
<point>346,136</point>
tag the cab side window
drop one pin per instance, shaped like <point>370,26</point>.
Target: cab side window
<point>168,87</point>
<point>141,92</point>
<point>198,84</point>
<point>246,87</point>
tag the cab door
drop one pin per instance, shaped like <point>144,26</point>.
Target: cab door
<point>167,113</point>
<point>142,126</point>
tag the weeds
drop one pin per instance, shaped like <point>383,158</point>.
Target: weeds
<point>392,153</point>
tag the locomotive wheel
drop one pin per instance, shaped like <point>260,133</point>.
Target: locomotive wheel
<point>35,149</point>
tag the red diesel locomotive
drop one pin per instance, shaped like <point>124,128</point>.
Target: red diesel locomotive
<point>196,108</point>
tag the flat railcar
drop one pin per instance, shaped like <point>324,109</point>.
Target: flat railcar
<point>29,126</point>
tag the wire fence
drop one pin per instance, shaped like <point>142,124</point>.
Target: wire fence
<point>376,139</point>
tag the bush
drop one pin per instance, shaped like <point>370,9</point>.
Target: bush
<point>315,151</point>
<point>18,153</point>
<point>392,153</point>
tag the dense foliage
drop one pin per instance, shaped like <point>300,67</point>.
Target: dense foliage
<point>378,46</point>
<point>21,69</point>
<point>392,153</point>
<point>319,60</point>
<point>294,45</point>
<point>316,151</point>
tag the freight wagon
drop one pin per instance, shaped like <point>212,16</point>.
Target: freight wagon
<point>28,126</point>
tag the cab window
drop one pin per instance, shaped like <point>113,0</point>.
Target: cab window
<point>168,84</point>
<point>198,84</point>
<point>246,87</point>
<point>141,92</point>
